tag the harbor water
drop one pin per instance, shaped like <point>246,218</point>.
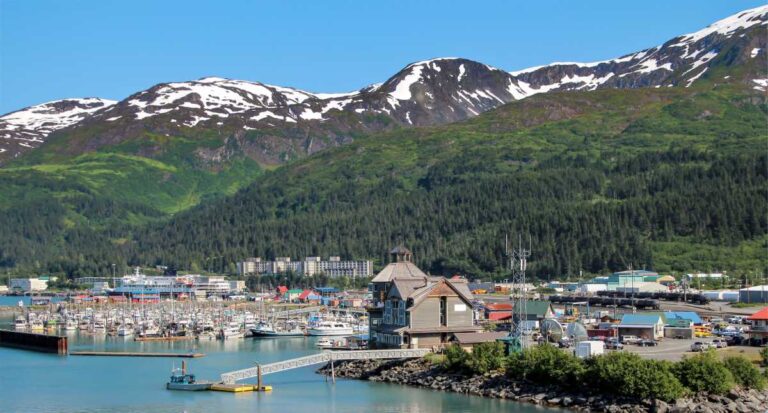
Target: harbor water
<point>37,382</point>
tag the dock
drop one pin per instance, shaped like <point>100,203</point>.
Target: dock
<point>134,354</point>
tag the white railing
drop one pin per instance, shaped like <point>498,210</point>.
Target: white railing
<point>325,357</point>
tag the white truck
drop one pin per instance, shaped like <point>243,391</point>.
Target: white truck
<point>587,349</point>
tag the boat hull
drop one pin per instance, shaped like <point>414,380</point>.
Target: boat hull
<point>200,386</point>
<point>261,333</point>
<point>340,332</point>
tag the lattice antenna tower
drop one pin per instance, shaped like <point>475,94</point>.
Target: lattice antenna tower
<point>518,261</point>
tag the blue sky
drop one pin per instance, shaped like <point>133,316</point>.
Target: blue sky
<point>111,49</point>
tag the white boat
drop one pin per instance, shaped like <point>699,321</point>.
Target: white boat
<point>331,328</point>
<point>20,323</point>
<point>70,325</point>
<point>36,325</point>
<point>324,343</point>
<point>124,331</point>
<point>231,331</point>
<point>268,330</point>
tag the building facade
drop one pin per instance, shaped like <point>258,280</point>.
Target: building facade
<point>410,309</point>
<point>310,266</point>
<point>28,284</point>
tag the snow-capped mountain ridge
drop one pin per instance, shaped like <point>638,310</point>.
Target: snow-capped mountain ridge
<point>426,92</point>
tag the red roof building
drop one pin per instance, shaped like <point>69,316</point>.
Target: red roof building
<point>498,311</point>
<point>281,289</point>
<point>760,315</point>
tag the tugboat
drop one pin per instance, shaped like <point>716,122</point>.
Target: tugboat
<point>180,380</point>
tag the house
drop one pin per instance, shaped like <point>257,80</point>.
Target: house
<point>309,296</point>
<point>642,325</point>
<point>291,296</point>
<point>498,311</point>
<point>758,329</point>
<point>410,309</point>
<point>679,324</point>
<point>536,311</point>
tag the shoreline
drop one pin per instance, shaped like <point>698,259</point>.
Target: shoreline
<point>421,373</point>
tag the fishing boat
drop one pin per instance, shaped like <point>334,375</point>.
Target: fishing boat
<point>125,331</point>
<point>331,328</point>
<point>231,331</point>
<point>181,380</point>
<point>269,330</point>
<point>20,323</point>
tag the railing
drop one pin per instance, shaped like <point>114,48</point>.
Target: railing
<point>325,357</point>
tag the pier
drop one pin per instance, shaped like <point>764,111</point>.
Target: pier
<point>33,341</point>
<point>134,354</point>
<point>324,357</point>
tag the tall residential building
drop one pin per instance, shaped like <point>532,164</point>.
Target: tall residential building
<point>309,266</point>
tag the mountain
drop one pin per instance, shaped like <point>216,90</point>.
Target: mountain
<point>292,123</point>
<point>27,128</point>
<point>443,155</point>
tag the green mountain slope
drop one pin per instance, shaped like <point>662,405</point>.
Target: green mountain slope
<point>665,178</point>
<point>600,180</point>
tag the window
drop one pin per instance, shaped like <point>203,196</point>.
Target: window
<point>443,311</point>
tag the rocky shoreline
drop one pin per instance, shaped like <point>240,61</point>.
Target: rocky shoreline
<point>421,373</point>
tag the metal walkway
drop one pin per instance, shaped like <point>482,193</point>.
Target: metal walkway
<point>324,357</point>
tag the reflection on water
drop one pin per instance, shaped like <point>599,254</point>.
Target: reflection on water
<point>50,383</point>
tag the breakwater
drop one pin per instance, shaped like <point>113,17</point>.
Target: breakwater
<point>422,373</point>
<point>35,342</point>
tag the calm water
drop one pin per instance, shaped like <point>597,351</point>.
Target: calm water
<point>37,382</point>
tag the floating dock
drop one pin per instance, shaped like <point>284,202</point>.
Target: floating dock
<point>134,354</point>
<point>239,388</point>
<point>34,341</point>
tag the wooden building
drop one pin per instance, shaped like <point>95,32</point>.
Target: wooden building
<point>413,310</point>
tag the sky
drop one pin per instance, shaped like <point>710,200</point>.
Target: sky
<point>111,49</point>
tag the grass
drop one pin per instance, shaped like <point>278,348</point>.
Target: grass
<point>750,353</point>
<point>747,305</point>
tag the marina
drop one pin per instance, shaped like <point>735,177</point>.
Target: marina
<point>123,384</point>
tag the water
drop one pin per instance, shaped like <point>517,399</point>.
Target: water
<point>13,300</point>
<point>37,382</point>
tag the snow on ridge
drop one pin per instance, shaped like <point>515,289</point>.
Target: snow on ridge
<point>46,117</point>
<point>728,25</point>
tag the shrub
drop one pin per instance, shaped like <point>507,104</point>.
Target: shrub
<point>486,357</point>
<point>704,373</point>
<point>456,358</point>
<point>745,374</point>
<point>764,355</point>
<point>627,374</point>
<point>546,364</point>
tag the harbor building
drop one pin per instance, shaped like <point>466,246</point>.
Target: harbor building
<point>411,309</point>
<point>309,266</point>
<point>28,284</point>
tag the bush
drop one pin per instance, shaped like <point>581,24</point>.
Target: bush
<point>546,364</point>
<point>764,355</point>
<point>486,357</point>
<point>627,374</point>
<point>456,359</point>
<point>745,374</point>
<point>704,373</point>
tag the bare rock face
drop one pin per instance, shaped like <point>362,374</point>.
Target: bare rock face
<point>282,123</point>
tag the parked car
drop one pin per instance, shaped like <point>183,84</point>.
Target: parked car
<point>700,346</point>
<point>613,344</point>
<point>720,343</point>
<point>564,342</point>
<point>736,319</point>
<point>630,339</point>
<point>647,342</point>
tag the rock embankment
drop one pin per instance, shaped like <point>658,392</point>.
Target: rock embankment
<point>422,373</point>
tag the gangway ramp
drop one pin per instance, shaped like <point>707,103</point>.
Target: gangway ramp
<point>320,358</point>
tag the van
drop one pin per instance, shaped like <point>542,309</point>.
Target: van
<point>630,339</point>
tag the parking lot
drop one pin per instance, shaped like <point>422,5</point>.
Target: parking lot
<point>675,349</point>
